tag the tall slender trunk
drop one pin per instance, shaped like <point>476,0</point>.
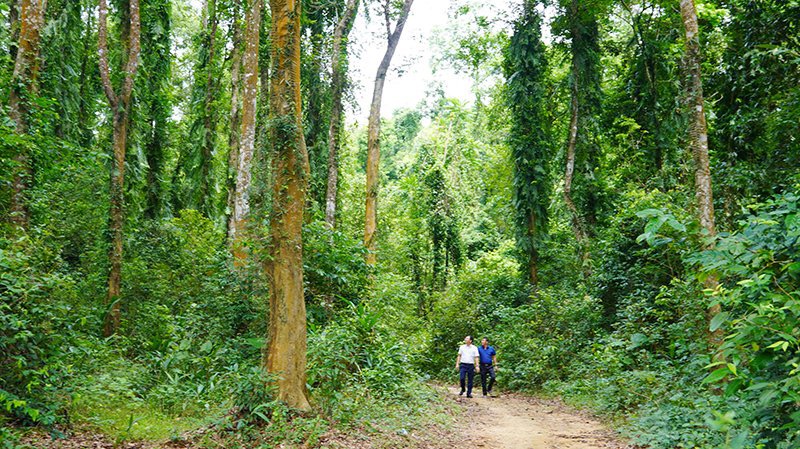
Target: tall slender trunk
<point>374,131</point>
<point>206,202</point>
<point>338,78</point>
<point>247,137</point>
<point>235,128</point>
<point>579,225</point>
<point>286,355</point>
<point>120,107</point>
<point>698,145</point>
<point>26,70</point>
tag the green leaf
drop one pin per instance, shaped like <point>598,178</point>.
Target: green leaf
<point>718,320</point>
<point>717,375</point>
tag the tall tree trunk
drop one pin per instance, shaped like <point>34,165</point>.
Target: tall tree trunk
<point>23,86</point>
<point>206,201</point>
<point>235,127</point>
<point>698,144</point>
<point>338,78</point>
<point>247,137</point>
<point>579,53</point>
<point>374,131</point>
<point>120,107</point>
<point>286,355</point>
<point>572,141</point>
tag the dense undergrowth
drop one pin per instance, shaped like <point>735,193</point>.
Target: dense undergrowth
<point>630,340</point>
<point>189,357</point>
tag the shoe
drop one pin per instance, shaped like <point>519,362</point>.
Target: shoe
<point>469,395</point>
<point>461,393</point>
<point>484,394</point>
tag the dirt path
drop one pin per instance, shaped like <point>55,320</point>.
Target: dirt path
<point>519,422</point>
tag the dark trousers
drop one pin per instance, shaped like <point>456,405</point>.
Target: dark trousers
<point>487,370</point>
<point>466,371</point>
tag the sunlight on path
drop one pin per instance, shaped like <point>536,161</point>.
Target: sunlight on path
<point>519,422</point>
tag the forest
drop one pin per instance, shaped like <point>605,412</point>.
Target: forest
<point>207,240</point>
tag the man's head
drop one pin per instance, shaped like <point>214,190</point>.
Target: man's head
<point>484,342</point>
<point>467,340</point>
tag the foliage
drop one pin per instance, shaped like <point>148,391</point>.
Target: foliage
<point>526,71</point>
<point>759,295</point>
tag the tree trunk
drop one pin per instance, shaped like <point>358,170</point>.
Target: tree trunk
<point>286,355</point>
<point>698,144</point>
<point>23,86</point>
<point>116,217</point>
<point>572,141</point>
<point>209,123</point>
<point>235,129</point>
<point>120,107</point>
<point>247,137</point>
<point>338,78</point>
<point>374,131</point>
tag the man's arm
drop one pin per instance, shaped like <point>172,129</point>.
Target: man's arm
<point>478,363</point>
<point>494,361</point>
<point>458,360</point>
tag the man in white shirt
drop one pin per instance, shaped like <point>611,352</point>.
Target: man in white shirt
<point>467,364</point>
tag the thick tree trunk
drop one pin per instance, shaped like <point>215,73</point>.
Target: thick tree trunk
<point>374,131</point>
<point>338,77</point>
<point>286,355</point>
<point>26,70</point>
<point>120,107</point>
<point>247,137</point>
<point>698,144</point>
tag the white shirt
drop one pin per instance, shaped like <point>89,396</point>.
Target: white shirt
<point>468,353</point>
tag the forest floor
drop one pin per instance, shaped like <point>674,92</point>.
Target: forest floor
<point>507,421</point>
<point>514,421</point>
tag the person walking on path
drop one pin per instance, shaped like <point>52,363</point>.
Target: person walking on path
<point>488,364</point>
<point>467,364</point>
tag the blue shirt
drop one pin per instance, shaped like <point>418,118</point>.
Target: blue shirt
<point>486,354</point>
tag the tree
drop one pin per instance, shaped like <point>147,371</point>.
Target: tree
<point>374,127</point>
<point>119,102</point>
<point>582,150</point>
<point>286,354</point>
<point>338,79</point>
<point>526,72</point>
<point>698,144</point>
<point>155,98</point>
<point>23,87</point>
<point>235,123</point>
<point>247,136</point>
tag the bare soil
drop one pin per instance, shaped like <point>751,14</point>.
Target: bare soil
<point>513,421</point>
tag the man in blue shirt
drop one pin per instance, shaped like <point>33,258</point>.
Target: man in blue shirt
<point>488,360</point>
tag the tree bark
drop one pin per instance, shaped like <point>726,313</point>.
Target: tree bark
<point>698,145</point>
<point>235,130</point>
<point>23,85</point>
<point>247,136</point>
<point>120,107</point>
<point>338,78</point>
<point>572,141</point>
<point>286,355</point>
<point>374,131</point>
<point>579,226</point>
<point>209,123</point>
